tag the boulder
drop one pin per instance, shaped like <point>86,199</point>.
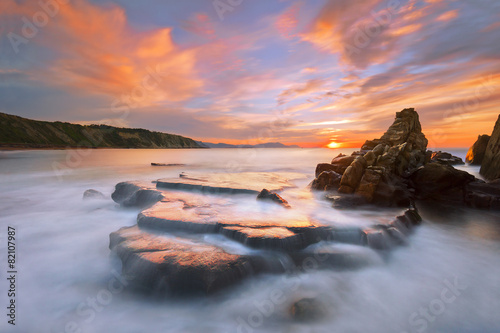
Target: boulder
<point>490,167</point>
<point>445,158</point>
<point>440,181</point>
<point>267,195</point>
<point>475,155</point>
<point>341,162</point>
<point>329,167</point>
<point>142,198</point>
<point>136,194</point>
<point>124,190</point>
<point>352,175</point>
<point>369,183</point>
<point>327,181</point>
<point>93,194</point>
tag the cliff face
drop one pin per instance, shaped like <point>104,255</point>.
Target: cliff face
<point>475,155</point>
<point>490,166</point>
<point>18,131</point>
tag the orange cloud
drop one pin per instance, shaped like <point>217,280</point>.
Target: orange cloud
<point>287,22</point>
<point>363,33</point>
<point>96,51</point>
<point>448,16</point>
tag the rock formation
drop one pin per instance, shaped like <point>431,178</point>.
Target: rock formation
<point>475,155</point>
<point>397,168</point>
<point>376,173</point>
<point>490,166</point>
<point>169,250</point>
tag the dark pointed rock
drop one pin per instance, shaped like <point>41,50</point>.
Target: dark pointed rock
<point>267,195</point>
<point>475,155</point>
<point>490,167</point>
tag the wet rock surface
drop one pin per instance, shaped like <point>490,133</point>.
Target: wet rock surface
<point>490,166</point>
<point>440,181</point>
<point>168,250</point>
<point>445,158</point>
<point>136,194</point>
<point>475,155</point>
<point>229,183</point>
<point>168,264</point>
<point>267,195</point>
<point>376,174</point>
<point>397,169</point>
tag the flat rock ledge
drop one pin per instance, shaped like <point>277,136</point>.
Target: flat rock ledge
<point>229,183</point>
<point>167,251</point>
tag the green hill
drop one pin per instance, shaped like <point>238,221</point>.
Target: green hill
<point>21,132</point>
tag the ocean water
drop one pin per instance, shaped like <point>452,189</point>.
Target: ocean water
<point>446,280</point>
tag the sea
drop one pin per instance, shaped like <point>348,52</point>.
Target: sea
<point>446,279</point>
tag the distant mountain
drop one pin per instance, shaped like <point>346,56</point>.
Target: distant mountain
<point>260,145</point>
<point>26,133</point>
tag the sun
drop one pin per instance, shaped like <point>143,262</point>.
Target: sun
<point>333,144</point>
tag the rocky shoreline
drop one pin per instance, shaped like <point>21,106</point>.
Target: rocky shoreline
<point>200,233</point>
<point>398,169</point>
<point>166,251</point>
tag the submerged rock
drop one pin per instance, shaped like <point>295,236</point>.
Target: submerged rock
<point>273,197</point>
<point>308,309</point>
<point>475,155</point>
<point>286,231</point>
<point>490,167</point>
<point>229,183</point>
<point>93,194</point>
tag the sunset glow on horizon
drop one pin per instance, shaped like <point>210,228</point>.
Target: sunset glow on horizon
<point>310,73</point>
<point>333,145</point>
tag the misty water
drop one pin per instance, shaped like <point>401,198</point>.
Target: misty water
<point>446,280</point>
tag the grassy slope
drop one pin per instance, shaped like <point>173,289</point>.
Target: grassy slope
<point>18,130</point>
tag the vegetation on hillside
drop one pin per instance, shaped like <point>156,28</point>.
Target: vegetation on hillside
<point>16,130</point>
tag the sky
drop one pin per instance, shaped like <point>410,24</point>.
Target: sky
<point>306,72</point>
